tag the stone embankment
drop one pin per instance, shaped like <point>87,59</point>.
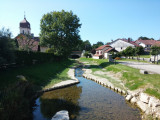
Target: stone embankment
<point>148,104</point>
<point>72,81</point>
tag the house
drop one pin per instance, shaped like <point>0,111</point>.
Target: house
<point>122,44</point>
<point>147,44</point>
<point>103,51</point>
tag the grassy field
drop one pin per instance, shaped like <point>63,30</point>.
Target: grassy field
<point>41,75</point>
<point>130,76</point>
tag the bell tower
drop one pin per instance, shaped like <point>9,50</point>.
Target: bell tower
<point>25,26</point>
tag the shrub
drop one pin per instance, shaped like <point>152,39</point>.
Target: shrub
<point>117,58</point>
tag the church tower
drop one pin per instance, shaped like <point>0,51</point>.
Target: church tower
<point>25,27</point>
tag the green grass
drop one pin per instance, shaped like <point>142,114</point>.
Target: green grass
<point>145,56</point>
<point>154,92</point>
<point>40,75</point>
<point>130,76</point>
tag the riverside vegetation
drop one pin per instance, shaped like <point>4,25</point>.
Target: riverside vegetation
<point>17,94</point>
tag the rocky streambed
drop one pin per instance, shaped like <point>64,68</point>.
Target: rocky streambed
<point>149,105</point>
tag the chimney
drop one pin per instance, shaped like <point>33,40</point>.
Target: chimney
<point>129,39</point>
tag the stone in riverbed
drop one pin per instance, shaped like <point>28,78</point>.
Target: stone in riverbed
<point>144,98</point>
<point>61,115</point>
<point>133,100</point>
<point>129,97</point>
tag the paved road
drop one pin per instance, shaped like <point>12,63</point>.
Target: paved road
<point>144,66</point>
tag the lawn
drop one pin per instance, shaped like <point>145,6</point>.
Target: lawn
<point>130,76</point>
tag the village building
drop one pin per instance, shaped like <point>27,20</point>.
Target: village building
<point>26,39</point>
<point>147,44</point>
<point>122,44</point>
<point>103,52</point>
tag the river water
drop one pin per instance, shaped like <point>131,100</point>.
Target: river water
<point>85,101</point>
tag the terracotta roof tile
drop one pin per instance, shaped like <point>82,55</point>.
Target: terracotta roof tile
<point>102,47</point>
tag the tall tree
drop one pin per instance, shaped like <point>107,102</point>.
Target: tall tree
<point>60,30</point>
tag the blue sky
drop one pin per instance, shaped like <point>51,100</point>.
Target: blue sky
<point>102,20</point>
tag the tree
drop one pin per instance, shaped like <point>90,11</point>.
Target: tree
<point>129,51</point>
<point>139,50</point>
<point>98,44</point>
<point>60,30</point>
<point>145,38</point>
<point>87,45</point>
<point>155,50</point>
<point>6,47</point>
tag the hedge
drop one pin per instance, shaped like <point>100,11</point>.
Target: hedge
<point>29,58</point>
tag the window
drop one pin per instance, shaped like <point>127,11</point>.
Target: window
<point>23,31</point>
<point>121,48</point>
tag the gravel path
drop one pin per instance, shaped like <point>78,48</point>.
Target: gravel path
<point>144,66</point>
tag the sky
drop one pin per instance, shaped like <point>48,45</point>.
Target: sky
<point>102,20</point>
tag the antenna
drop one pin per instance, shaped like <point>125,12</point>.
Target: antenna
<point>24,15</point>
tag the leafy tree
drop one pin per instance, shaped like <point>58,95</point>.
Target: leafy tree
<point>129,51</point>
<point>98,44</point>
<point>6,47</point>
<point>139,51</point>
<point>145,38</point>
<point>155,50</point>
<point>87,45</point>
<point>60,30</point>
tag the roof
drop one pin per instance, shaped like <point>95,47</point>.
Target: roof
<point>157,43</point>
<point>146,42</point>
<point>24,23</point>
<point>131,42</point>
<point>102,47</point>
<point>108,50</point>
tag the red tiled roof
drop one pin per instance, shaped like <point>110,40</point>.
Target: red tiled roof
<point>146,42</point>
<point>108,50</point>
<point>102,47</point>
<point>157,43</point>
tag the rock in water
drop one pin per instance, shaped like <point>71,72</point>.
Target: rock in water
<point>61,115</point>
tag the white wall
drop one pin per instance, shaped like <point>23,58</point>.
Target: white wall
<point>26,30</point>
<point>120,45</point>
<point>143,45</point>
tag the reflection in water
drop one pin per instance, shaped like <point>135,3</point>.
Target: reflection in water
<point>63,99</point>
<point>85,101</point>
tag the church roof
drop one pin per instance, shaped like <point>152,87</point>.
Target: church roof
<point>24,23</point>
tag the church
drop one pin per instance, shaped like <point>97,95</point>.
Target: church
<point>26,40</point>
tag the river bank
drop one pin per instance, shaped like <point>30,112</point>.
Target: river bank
<point>149,105</point>
<point>19,86</point>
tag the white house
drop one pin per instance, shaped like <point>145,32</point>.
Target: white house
<point>122,44</point>
<point>103,51</point>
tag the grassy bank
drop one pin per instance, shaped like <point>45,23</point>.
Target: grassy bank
<point>130,76</point>
<point>16,95</point>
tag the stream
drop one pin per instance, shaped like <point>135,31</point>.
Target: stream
<point>85,101</point>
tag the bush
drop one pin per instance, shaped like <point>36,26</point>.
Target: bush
<point>117,58</point>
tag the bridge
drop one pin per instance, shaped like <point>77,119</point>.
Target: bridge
<point>77,54</point>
